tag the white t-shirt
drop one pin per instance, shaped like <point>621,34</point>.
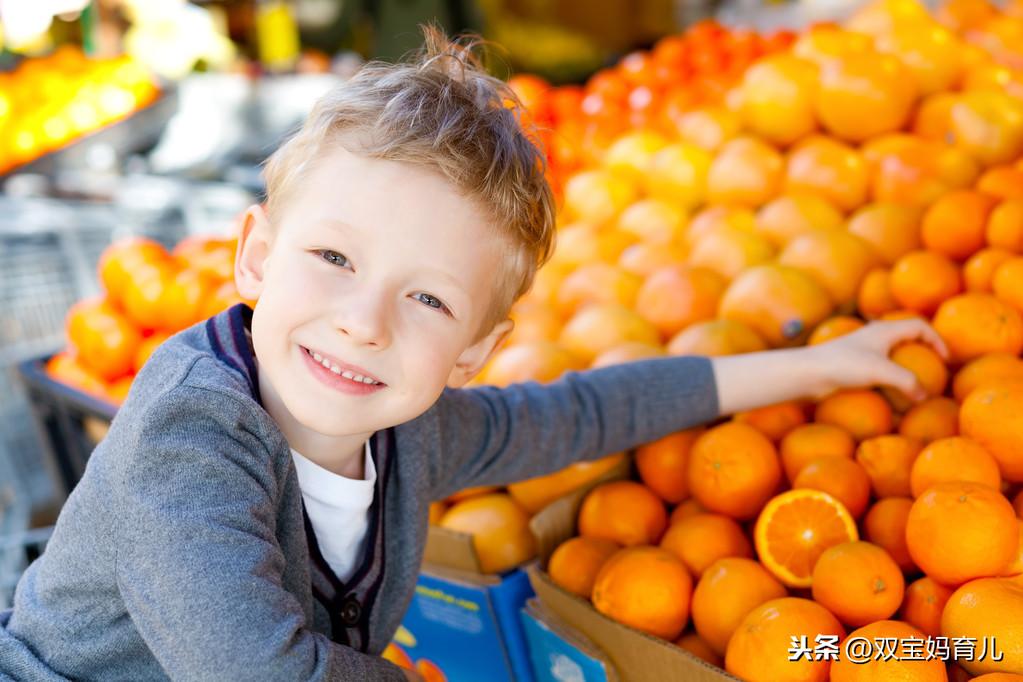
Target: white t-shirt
<point>338,508</point>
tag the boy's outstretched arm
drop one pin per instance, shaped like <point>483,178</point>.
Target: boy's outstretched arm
<point>752,380</point>
<point>494,436</point>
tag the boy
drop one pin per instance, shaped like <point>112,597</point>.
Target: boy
<point>258,509</point>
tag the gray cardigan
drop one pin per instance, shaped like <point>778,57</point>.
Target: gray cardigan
<point>185,552</point>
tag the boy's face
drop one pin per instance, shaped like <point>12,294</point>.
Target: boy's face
<point>377,268</point>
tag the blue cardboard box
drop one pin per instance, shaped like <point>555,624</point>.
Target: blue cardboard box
<point>465,627</point>
<point>560,655</point>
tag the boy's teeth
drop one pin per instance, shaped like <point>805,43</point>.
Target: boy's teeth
<point>335,369</point>
<point>317,357</point>
<point>347,374</point>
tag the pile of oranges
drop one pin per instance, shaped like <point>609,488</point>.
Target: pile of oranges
<point>873,170</point>
<point>47,102</point>
<point>150,293</point>
<point>645,89</point>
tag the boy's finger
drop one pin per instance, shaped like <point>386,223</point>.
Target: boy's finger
<point>917,329</point>
<point>900,378</point>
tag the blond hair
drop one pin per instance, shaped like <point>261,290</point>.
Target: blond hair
<point>440,110</point>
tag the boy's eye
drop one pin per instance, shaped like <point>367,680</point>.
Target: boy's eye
<point>333,257</point>
<point>431,301</point>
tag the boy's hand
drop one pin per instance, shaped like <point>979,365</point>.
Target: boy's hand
<point>746,382</point>
<point>861,358</point>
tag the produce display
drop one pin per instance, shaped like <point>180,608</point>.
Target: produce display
<point>47,102</point>
<point>874,170</point>
<point>150,293</point>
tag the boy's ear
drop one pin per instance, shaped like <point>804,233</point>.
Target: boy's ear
<point>473,358</point>
<point>253,250</point>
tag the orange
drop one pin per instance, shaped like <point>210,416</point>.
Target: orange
<point>629,351</point>
<point>532,361</point>
<point>733,470</point>
<point>1002,182</point>
<point>702,539</point>
<point>716,337</point>
<point>677,174</point>
<point>625,512</point>
<point>1017,503</point>
<point>875,297</point>
<point>1016,567</point>
<point>534,321</point>
<point>600,327</point>
<point>677,296</point>
<point>989,608</point>
<point>776,98</point>
<point>713,218</point>
<point>725,594</point>
<point>925,364</point>
<point>979,270</point>
<point>474,491</point>
<point>783,219</point>
<point>834,327</point>
<point>437,510</point>
<point>958,531</point>
<point>644,258</point>
<point>825,42</point>
<point>597,196</point>
<point>998,677</point>
<point>864,95</point>
<point>922,606</point>
<point>759,649</point>
<point>581,243</point>
<point>953,459</point>
<point>575,563</point>
<point>988,126</point>
<point>889,461</point>
<point>774,421</point>
<point>745,172</point>
<point>647,588</point>
<point>930,420</point>
<point>808,442</point>
<point>709,127</point>
<point>630,154</point>
<point>696,645</point>
<point>859,582</point>
<point>67,369</point>
<point>548,279</point>
<point>795,528</point>
<point>932,118</point>
<point>183,299</point>
<point>902,664</point>
<point>921,280</point>
<point>499,528</point>
<point>881,18</point>
<point>829,169</point>
<point>976,324</point>
<point>861,412</point>
<point>893,230</point>
<point>536,493</point>
<point>837,260</point>
<point>105,341</point>
<point>662,465</point>
<point>142,297</point>
<point>119,260</point>
<point>955,224</point>
<point>989,415</point>
<point>146,348</point>
<point>843,479</point>
<point>684,510</point>
<point>782,304</point>
<point>932,53</point>
<point>653,220</point>
<point>1007,281</point>
<point>1005,225</point>
<point>987,369</point>
<point>885,526</point>
<point>597,283</point>
<point>911,170</point>
<point>729,251</point>
<point>225,295</point>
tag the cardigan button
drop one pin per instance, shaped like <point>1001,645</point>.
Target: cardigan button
<point>351,611</point>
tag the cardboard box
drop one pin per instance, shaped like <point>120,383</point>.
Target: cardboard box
<point>559,653</point>
<point>637,656</point>
<point>466,624</point>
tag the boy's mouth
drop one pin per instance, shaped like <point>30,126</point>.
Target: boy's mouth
<point>354,374</point>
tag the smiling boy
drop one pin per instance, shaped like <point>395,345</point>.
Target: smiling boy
<point>258,510</point>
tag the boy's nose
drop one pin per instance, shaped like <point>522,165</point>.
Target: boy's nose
<point>363,319</point>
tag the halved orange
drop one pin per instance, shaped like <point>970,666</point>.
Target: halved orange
<point>795,528</point>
